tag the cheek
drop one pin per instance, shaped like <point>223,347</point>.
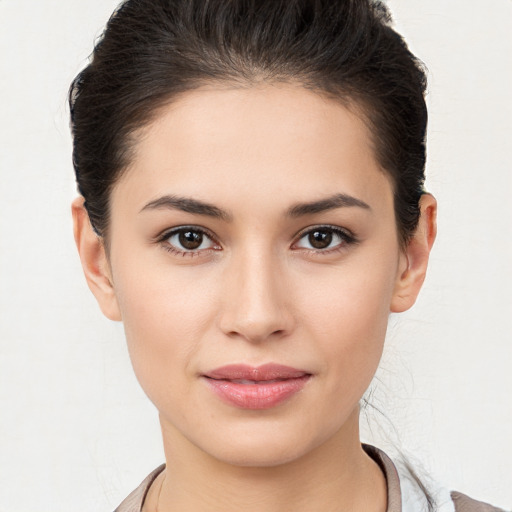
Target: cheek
<point>354,298</point>
<point>165,315</point>
<point>347,313</point>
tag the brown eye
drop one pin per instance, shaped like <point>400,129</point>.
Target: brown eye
<point>190,239</point>
<point>320,239</point>
<point>325,238</point>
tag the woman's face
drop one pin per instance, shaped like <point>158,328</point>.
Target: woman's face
<point>255,227</point>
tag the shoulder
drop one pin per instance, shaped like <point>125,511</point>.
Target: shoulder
<point>407,493</point>
<point>465,504</point>
<point>134,502</point>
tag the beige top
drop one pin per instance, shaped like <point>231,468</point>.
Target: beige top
<point>134,502</point>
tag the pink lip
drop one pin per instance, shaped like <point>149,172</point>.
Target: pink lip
<point>271,384</point>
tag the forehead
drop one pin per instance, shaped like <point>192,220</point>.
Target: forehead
<point>274,140</point>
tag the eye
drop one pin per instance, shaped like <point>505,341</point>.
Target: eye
<point>325,238</point>
<point>188,240</point>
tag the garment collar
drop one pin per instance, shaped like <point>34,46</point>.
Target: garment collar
<point>134,502</point>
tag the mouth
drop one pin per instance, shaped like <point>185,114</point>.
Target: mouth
<point>261,387</point>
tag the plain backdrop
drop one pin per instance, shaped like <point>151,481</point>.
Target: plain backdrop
<point>77,433</point>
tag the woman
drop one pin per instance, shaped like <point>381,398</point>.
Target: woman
<point>252,208</point>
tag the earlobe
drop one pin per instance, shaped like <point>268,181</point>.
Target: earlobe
<point>94,261</point>
<point>415,258</point>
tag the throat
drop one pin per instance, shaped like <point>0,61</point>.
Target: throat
<point>272,490</point>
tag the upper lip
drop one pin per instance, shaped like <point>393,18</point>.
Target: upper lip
<point>269,371</point>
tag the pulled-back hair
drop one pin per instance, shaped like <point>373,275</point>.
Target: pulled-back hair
<point>153,50</point>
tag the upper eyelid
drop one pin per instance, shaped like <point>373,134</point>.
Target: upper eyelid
<point>336,229</point>
<point>166,233</point>
<point>162,241</point>
<point>348,238</point>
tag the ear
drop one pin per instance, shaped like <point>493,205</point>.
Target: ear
<point>94,261</point>
<point>413,265</point>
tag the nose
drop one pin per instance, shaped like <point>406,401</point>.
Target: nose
<point>256,305</point>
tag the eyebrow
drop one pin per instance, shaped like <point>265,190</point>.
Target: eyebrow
<point>189,205</point>
<point>194,206</point>
<point>329,203</point>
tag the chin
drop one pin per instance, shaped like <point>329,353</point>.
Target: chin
<point>262,446</point>
<point>258,456</point>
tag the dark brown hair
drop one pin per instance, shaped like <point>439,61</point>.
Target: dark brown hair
<point>153,50</point>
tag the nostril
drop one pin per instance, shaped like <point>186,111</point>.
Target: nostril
<point>256,334</point>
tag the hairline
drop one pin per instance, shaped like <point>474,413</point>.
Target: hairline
<point>355,102</point>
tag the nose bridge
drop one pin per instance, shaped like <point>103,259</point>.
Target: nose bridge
<point>255,306</point>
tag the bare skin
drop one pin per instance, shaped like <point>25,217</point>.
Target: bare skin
<point>253,174</point>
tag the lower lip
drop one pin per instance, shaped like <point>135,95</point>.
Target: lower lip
<point>261,395</point>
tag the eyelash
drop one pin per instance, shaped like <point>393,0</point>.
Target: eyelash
<point>347,239</point>
<point>346,236</point>
<point>164,237</point>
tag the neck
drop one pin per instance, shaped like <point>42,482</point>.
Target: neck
<point>338,475</point>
